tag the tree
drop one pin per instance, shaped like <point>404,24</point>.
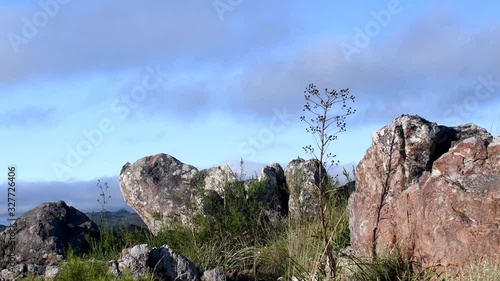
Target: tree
<point>325,129</point>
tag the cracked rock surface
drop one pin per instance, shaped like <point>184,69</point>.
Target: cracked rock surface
<point>442,193</point>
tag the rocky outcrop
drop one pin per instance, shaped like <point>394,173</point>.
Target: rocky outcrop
<point>433,191</point>
<point>163,262</point>
<point>159,189</point>
<point>162,189</point>
<point>302,177</point>
<point>274,188</point>
<point>41,237</point>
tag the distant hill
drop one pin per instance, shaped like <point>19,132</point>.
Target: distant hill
<point>117,218</point>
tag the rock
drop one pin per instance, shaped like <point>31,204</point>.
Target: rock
<point>216,274</point>
<point>135,259</point>
<point>441,193</point>
<point>275,191</point>
<point>51,272</point>
<point>42,237</point>
<point>159,189</point>
<point>172,265</point>
<point>14,272</point>
<point>215,178</point>
<point>165,263</point>
<point>146,193</point>
<point>209,187</point>
<point>163,190</point>
<point>302,178</point>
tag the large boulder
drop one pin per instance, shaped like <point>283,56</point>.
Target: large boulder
<point>433,191</point>
<point>274,189</point>
<point>163,190</point>
<point>159,188</point>
<point>163,262</point>
<point>39,239</point>
<point>302,177</point>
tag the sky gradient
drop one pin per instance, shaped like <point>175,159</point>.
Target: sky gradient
<point>87,86</point>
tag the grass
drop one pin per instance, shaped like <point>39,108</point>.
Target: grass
<point>482,270</point>
<point>388,266</point>
<point>76,268</point>
<point>240,236</point>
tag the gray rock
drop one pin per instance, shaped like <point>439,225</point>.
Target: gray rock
<point>216,274</point>
<point>42,236</point>
<point>159,188</point>
<point>210,185</point>
<point>163,262</point>
<point>215,178</point>
<point>302,177</point>
<point>275,191</point>
<point>51,271</point>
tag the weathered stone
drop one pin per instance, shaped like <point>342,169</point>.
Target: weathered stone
<point>435,191</point>
<point>163,262</point>
<point>51,272</point>
<point>135,259</point>
<point>42,236</point>
<point>275,192</point>
<point>216,274</point>
<point>215,178</point>
<point>159,188</point>
<point>209,185</point>
<point>302,177</point>
<point>172,265</point>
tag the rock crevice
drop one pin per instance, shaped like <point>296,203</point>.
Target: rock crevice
<point>440,190</point>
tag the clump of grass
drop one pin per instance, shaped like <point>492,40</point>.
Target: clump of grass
<point>233,232</point>
<point>388,266</point>
<point>484,270</point>
<point>304,243</point>
<point>77,268</point>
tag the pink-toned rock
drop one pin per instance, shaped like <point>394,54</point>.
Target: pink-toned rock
<point>163,190</point>
<point>159,189</point>
<point>435,190</point>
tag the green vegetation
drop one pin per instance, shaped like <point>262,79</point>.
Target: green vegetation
<point>157,216</point>
<point>243,238</point>
<point>241,233</point>
<point>484,270</point>
<point>325,128</point>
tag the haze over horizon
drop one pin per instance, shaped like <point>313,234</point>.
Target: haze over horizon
<point>88,86</point>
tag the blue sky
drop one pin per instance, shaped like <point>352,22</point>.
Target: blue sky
<point>87,86</point>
